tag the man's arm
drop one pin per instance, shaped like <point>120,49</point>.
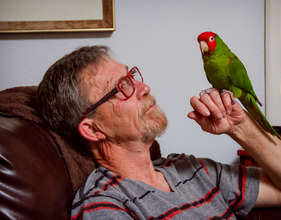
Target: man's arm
<point>266,150</point>
<point>218,114</point>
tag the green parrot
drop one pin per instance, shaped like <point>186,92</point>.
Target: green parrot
<point>226,72</point>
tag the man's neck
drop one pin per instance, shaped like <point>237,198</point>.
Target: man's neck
<point>131,160</point>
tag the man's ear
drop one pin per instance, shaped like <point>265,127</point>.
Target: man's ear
<point>87,130</point>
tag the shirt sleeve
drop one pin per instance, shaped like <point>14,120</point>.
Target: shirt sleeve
<point>238,184</point>
<point>100,207</point>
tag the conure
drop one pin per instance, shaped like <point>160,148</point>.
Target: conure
<point>225,71</point>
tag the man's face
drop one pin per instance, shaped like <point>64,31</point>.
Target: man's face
<point>138,118</point>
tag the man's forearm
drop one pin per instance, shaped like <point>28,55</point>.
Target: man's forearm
<point>262,146</point>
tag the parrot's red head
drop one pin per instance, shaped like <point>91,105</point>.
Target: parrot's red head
<point>207,41</point>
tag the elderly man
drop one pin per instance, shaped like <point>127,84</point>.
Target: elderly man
<point>107,108</point>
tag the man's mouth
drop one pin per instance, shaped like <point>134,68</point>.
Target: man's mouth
<point>149,105</point>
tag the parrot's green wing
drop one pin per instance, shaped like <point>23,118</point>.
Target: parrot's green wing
<point>239,77</point>
<point>243,89</point>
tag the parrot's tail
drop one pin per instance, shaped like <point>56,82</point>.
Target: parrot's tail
<point>250,104</point>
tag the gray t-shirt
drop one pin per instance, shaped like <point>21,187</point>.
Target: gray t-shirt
<point>201,189</point>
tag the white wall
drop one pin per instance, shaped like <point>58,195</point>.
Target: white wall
<point>160,37</point>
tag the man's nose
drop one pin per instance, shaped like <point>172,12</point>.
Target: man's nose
<point>142,89</point>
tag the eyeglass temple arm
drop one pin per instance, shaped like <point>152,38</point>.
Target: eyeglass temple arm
<point>101,101</point>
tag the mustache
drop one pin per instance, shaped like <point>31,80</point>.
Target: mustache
<point>148,102</point>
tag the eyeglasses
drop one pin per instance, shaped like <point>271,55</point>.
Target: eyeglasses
<point>125,85</point>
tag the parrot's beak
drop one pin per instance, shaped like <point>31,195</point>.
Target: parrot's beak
<point>203,46</point>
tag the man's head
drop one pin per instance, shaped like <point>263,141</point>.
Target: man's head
<point>83,78</point>
<point>120,118</point>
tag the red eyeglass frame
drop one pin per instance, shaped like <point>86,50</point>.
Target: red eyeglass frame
<point>131,78</point>
<point>115,90</point>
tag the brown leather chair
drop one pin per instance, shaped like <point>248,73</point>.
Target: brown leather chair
<point>39,171</point>
<point>36,181</point>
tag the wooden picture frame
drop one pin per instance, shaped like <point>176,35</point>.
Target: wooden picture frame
<point>107,23</point>
<point>273,61</point>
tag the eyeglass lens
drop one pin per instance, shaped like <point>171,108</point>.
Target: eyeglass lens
<point>126,85</point>
<point>136,74</point>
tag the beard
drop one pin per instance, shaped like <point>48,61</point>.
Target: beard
<point>154,120</point>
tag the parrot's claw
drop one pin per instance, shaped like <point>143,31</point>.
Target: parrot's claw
<point>224,91</point>
<point>206,91</point>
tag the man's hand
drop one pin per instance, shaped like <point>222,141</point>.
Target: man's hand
<point>216,113</point>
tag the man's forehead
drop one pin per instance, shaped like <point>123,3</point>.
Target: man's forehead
<point>103,67</point>
<point>108,65</point>
<point>104,74</point>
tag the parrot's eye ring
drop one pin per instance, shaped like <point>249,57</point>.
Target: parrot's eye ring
<point>211,39</point>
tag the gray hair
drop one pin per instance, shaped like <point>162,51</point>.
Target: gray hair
<point>60,96</point>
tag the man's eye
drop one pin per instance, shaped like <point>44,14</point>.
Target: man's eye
<point>125,83</point>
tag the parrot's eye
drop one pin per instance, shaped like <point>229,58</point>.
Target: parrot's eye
<point>211,39</point>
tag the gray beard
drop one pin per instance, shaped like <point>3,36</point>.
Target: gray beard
<point>155,127</point>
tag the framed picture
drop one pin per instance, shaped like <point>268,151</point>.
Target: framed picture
<point>56,16</point>
<point>273,61</point>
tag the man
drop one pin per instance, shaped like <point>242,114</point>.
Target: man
<point>89,96</point>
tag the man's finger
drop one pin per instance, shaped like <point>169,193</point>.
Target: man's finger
<point>212,106</point>
<point>194,115</point>
<point>199,107</point>
<point>227,102</point>
<point>217,99</point>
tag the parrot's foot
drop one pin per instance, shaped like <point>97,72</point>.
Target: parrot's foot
<point>206,91</point>
<point>225,91</point>
<point>222,92</point>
